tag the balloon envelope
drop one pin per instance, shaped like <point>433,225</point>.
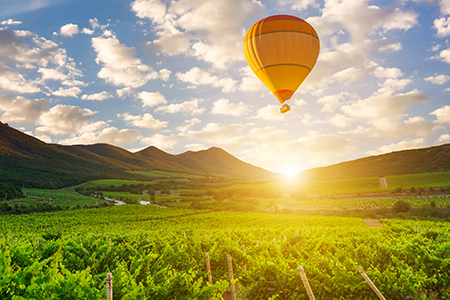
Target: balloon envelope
<point>281,50</point>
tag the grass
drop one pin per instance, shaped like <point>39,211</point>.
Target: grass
<point>65,198</point>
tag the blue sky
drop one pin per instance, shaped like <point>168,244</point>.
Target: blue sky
<point>172,74</point>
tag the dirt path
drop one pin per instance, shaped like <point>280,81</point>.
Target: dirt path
<point>383,183</point>
<point>372,223</point>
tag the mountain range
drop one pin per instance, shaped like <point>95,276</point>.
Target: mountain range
<point>27,161</point>
<point>32,162</point>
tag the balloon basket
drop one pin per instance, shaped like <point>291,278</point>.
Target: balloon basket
<point>284,108</point>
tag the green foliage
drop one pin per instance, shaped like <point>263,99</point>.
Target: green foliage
<point>401,206</point>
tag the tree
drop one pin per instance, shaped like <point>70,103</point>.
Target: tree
<point>401,206</point>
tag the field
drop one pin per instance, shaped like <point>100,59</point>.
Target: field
<point>159,253</point>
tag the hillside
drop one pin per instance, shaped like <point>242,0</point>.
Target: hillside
<point>27,161</point>
<point>31,162</point>
<point>432,159</point>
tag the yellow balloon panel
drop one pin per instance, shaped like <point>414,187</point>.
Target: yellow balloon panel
<point>281,51</point>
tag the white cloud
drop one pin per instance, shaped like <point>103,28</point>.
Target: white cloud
<point>442,26</point>
<point>197,76</point>
<point>70,92</point>
<point>402,145</point>
<point>187,107</point>
<point>390,48</point>
<point>250,82</point>
<point>10,22</point>
<point>123,92</point>
<point>97,96</point>
<point>339,121</point>
<point>444,139</point>
<point>88,31</point>
<point>298,4</point>
<point>152,99</point>
<point>225,107</point>
<point>64,119</point>
<point>442,114</point>
<point>69,30</point>
<point>171,44</point>
<point>188,124</point>
<point>160,141</point>
<point>438,79</point>
<point>331,102</point>
<point>110,135</point>
<point>195,147</point>
<point>21,110</point>
<point>383,105</point>
<point>215,133</point>
<point>143,121</point>
<point>269,113</point>
<point>119,66</point>
<point>52,74</point>
<point>445,55</point>
<point>208,30</point>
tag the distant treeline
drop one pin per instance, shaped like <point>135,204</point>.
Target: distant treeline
<point>10,190</point>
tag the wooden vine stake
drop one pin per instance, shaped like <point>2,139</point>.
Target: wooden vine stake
<point>230,272</point>
<point>208,267</point>
<point>306,283</point>
<point>109,290</point>
<point>374,288</point>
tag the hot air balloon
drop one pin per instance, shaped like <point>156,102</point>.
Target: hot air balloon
<point>281,50</point>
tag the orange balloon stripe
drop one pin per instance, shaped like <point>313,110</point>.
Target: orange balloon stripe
<point>283,95</point>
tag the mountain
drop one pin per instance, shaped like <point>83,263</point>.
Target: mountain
<point>31,162</point>
<point>28,161</point>
<point>211,161</point>
<point>424,160</point>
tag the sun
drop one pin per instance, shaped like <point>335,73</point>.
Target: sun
<point>290,172</point>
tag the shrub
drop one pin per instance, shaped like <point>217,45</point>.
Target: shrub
<point>401,206</point>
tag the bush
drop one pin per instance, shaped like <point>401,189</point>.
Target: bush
<point>433,203</point>
<point>401,206</point>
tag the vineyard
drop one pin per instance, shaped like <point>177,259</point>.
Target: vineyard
<point>330,203</point>
<point>159,253</point>
<point>372,184</point>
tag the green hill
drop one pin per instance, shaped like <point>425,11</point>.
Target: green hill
<point>28,161</point>
<point>425,160</point>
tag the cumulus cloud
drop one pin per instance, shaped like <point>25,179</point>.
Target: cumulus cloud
<point>402,145</point>
<point>143,121</point>
<point>70,92</point>
<point>190,107</point>
<point>390,48</point>
<point>269,113</point>
<point>442,114</point>
<point>152,99</point>
<point>10,22</point>
<point>225,107</point>
<point>69,30</point>
<point>250,82</point>
<point>97,96</point>
<point>331,102</point>
<point>383,105</point>
<point>110,135</point>
<point>123,92</point>
<point>438,79</point>
<point>21,110</point>
<point>119,66</point>
<point>188,124</point>
<point>47,57</point>
<point>208,31</point>
<point>64,119</point>
<point>160,141</point>
<point>197,76</point>
<point>215,133</point>
<point>442,26</point>
<point>444,139</point>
